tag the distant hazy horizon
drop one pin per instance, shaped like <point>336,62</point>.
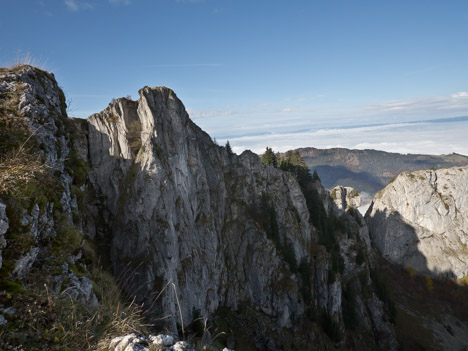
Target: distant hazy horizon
<point>288,73</point>
<point>441,136</point>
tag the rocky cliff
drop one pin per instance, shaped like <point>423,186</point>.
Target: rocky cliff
<point>54,293</point>
<point>185,212</point>
<point>196,228</point>
<point>191,229</point>
<point>420,220</point>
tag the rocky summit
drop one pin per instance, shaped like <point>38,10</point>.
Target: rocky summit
<point>183,211</point>
<point>134,223</point>
<point>420,220</point>
<point>196,228</point>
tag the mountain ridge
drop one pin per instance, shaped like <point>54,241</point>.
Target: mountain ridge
<point>190,228</point>
<point>265,257</point>
<point>370,170</point>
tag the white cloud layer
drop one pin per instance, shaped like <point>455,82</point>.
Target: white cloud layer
<point>75,5</point>
<point>405,126</point>
<point>79,5</point>
<point>428,104</point>
<point>120,2</point>
<point>422,138</point>
<point>205,113</point>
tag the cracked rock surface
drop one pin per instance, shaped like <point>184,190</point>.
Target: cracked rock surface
<point>420,220</point>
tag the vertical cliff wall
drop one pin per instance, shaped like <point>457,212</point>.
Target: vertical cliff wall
<point>187,212</point>
<point>196,226</point>
<point>420,220</point>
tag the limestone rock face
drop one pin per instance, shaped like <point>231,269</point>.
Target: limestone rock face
<point>421,220</point>
<point>33,105</point>
<point>4,224</point>
<point>40,100</point>
<point>345,197</point>
<point>186,212</point>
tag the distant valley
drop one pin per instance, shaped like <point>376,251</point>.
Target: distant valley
<point>368,171</point>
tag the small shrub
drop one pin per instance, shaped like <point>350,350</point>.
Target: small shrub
<point>76,167</point>
<point>289,255</point>
<point>330,327</point>
<point>350,317</point>
<point>63,103</point>
<point>112,118</point>
<point>360,257</point>
<point>305,271</point>
<point>197,326</point>
<point>383,294</point>
<point>331,276</point>
<point>337,261</point>
<point>429,283</point>
<point>464,281</point>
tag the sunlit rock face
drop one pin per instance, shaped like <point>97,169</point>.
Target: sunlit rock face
<point>421,220</point>
<point>184,212</point>
<point>345,197</point>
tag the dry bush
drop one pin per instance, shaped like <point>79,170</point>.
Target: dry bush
<point>114,318</point>
<point>25,58</point>
<point>18,170</point>
<point>44,320</point>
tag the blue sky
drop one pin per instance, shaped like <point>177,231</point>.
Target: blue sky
<point>266,72</point>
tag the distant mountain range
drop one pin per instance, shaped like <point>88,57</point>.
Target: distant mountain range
<point>370,170</point>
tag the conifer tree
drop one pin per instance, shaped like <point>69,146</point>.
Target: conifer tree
<point>269,158</point>
<point>315,176</point>
<point>228,148</point>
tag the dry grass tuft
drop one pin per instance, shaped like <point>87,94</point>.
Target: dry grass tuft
<point>115,318</point>
<point>25,58</point>
<point>44,320</point>
<point>19,165</point>
<point>19,169</point>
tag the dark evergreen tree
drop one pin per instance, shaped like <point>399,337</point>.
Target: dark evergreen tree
<point>294,163</point>
<point>315,176</point>
<point>269,158</point>
<point>228,148</point>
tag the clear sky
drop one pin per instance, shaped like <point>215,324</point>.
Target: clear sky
<point>263,72</point>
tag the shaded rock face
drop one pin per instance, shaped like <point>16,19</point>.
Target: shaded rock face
<point>186,221</point>
<point>4,224</point>
<point>421,220</point>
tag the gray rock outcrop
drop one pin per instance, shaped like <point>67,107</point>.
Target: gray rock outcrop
<point>42,101</point>
<point>4,224</point>
<point>33,106</point>
<point>192,223</point>
<point>345,197</point>
<point>133,342</point>
<point>187,213</point>
<point>420,220</point>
